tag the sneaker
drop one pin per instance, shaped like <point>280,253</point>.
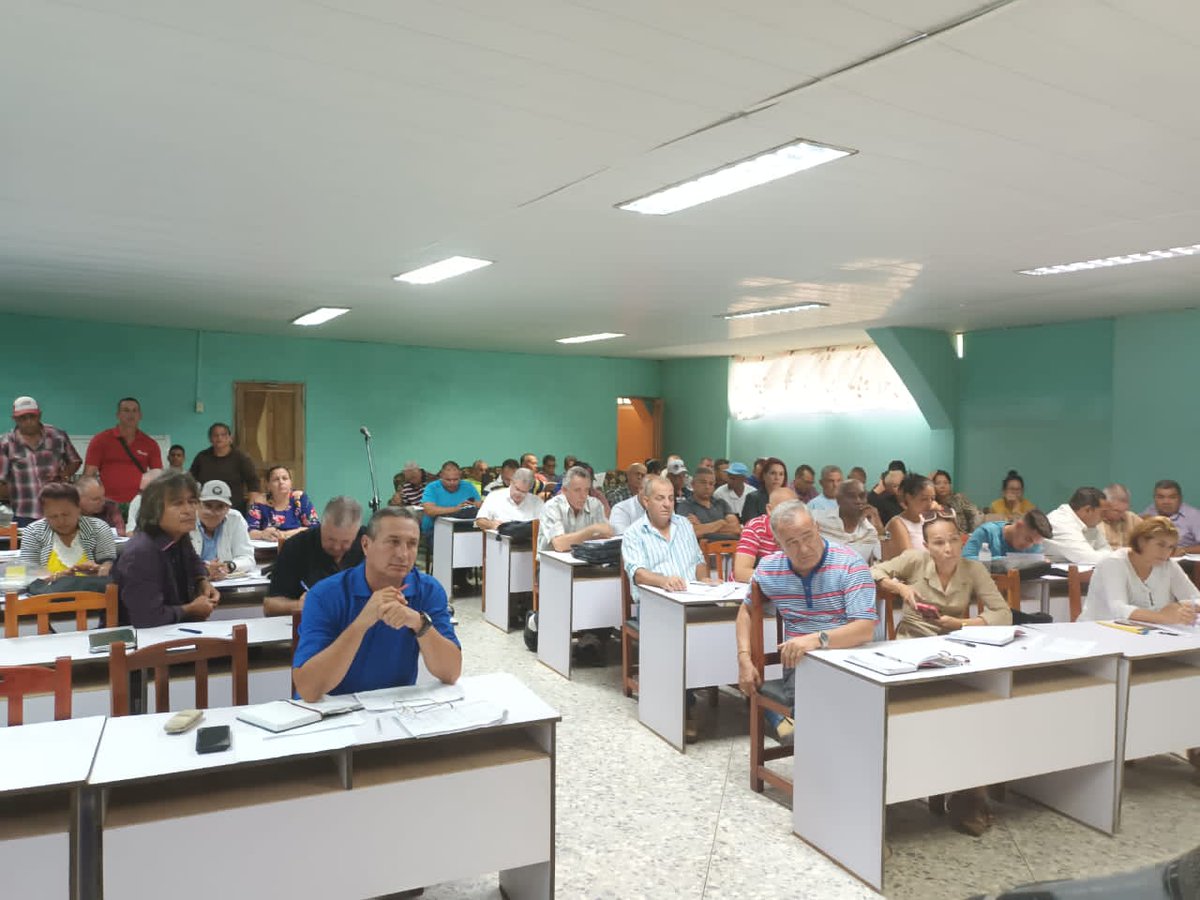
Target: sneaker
<point>969,813</point>
<point>453,617</point>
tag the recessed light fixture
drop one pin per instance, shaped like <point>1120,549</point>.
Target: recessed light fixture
<point>1126,260</point>
<point>440,271</point>
<point>772,310</point>
<point>320,316</point>
<point>736,176</point>
<point>587,338</point>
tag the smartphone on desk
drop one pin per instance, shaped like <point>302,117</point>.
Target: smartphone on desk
<point>213,739</point>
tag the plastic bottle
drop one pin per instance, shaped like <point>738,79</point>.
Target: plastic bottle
<point>985,554</point>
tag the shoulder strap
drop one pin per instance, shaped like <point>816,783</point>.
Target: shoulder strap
<point>129,453</point>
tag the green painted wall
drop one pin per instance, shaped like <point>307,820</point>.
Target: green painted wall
<point>695,394</point>
<point>1038,400</point>
<point>420,403</point>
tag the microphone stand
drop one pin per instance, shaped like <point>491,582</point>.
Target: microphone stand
<point>375,504</point>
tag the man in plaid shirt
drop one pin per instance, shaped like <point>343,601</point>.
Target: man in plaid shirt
<point>32,455</point>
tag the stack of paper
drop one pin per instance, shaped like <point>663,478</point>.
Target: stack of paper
<point>412,696</point>
<point>449,718</point>
<point>882,663</point>
<point>994,635</point>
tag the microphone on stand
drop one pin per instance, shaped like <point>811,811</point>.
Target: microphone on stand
<point>366,433</point>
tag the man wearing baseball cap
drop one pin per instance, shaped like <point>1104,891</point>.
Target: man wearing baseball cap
<point>677,474</point>
<point>220,537</point>
<point>33,455</point>
<point>735,490</point>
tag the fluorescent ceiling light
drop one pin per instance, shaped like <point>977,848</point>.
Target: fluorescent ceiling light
<point>737,176</point>
<point>440,271</point>
<point>320,316</point>
<point>587,338</point>
<point>772,310</point>
<point>1128,259</point>
<point>958,345</point>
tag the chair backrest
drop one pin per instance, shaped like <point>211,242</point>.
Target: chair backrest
<point>718,555</point>
<point>1009,584</point>
<point>534,562</point>
<point>885,606</point>
<point>1075,582</point>
<point>13,534</point>
<point>45,605</point>
<point>758,654</point>
<point>160,657</point>
<point>17,681</point>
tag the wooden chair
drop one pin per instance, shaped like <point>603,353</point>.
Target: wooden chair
<point>45,605</point>
<point>630,635</point>
<point>160,658</point>
<point>295,644</point>
<point>769,696</point>
<point>536,524</point>
<point>13,534</point>
<point>17,681</point>
<point>1075,584</point>
<point>718,555</point>
<point>886,602</point>
<point>1009,584</point>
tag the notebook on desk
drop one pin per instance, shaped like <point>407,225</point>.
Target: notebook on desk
<point>284,715</point>
<point>992,635</point>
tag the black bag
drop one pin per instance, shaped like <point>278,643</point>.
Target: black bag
<point>1030,571</point>
<point>464,513</point>
<point>531,631</point>
<point>599,553</point>
<point>69,584</point>
<point>520,532</point>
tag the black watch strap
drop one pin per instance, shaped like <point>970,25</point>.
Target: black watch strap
<point>426,624</point>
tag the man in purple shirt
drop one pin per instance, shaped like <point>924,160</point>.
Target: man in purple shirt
<point>1168,501</point>
<point>32,455</point>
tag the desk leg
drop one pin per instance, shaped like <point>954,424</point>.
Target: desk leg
<point>537,880</point>
<point>839,809</point>
<point>86,853</point>
<point>554,617</point>
<point>1044,596</point>
<point>497,562</point>
<point>443,556</point>
<point>662,657</point>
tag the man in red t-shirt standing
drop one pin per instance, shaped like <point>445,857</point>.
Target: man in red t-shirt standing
<point>121,455</point>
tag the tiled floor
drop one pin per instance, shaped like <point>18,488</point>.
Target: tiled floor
<point>638,819</point>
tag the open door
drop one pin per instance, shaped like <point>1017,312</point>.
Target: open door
<point>269,425</point>
<point>639,429</point>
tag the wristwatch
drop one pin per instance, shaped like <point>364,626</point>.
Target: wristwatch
<point>426,624</point>
<point>823,637</point>
<point>230,565</point>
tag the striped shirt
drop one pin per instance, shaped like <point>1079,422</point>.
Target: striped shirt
<point>838,589</point>
<point>757,539</point>
<point>644,547</point>
<point>96,538</point>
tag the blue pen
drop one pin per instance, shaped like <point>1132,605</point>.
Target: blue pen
<point>303,585</point>
<point>192,630</point>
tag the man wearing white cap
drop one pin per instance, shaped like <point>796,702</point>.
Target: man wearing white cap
<point>735,490</point>
<point>677,474</point>
<point>220,537</point>
<point>33,455</point>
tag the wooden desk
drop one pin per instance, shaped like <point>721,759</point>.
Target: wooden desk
<point>44,766</point>
<point>572,596</point>
<point>687,641</point>
<point>506,572</point>
<point>378,811</point>
<point>270,665</point>
<point>457,544</point>
<point>1043,719</point>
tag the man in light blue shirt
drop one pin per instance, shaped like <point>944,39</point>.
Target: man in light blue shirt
<point>447,495</point>
<point>1168,501</point>
<point>826,501</point>
<point>661,549</point>
<point>1003,538</point>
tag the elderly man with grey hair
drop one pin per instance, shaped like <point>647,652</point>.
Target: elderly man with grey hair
<point>93,503</point>
<point>515,503</point>
<point>822,590</point>
<point>573,515</point>
<point>827,500</point>
<point>314,554</point>
<point>1116,519</point>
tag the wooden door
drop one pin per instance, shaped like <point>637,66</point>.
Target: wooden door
<point>639,429</point>
<point>269,426</point>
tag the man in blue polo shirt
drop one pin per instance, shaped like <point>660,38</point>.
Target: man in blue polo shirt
<point>364,628</point>
<point>823,591</point>
<point>1004,538</point>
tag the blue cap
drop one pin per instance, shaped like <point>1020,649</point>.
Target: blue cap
<point>737,469</point>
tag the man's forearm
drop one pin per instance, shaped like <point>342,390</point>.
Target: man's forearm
<point>487,524</point>
<point>442,657</point>
<point>281,606</point>
<point>323,672</point>
<point>567,541</point>
<point>432,509</point>
<point>853,633</point>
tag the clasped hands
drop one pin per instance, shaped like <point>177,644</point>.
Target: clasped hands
<point>389,605</point>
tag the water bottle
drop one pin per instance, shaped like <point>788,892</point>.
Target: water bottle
<point>985,554</point>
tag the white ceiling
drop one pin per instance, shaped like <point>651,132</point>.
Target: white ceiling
<point>229,165</point>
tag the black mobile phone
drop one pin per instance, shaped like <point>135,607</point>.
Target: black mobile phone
<point>213,739</point>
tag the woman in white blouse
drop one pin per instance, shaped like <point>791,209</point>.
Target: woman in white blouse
<point>1142,581</point>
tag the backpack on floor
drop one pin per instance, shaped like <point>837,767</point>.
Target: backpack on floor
<point>531,631</point>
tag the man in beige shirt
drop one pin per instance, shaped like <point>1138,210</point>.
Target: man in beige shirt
<point>1116,519</point>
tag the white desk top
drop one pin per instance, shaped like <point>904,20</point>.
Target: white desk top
<point>48,754</point>
<point>264,545</point>
<point>254,578</point>
<point>730,593</point>
<point>136,747</point>
<point>1035,649</point>
<point>43,649</point>
<point>565,557</point>
<point>1112,640</point>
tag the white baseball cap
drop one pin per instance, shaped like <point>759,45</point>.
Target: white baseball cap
<point>215,490</point>
<point>23,406</point>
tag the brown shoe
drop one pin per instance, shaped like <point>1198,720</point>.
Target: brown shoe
<point>691,728</point>
<point>969,813</point>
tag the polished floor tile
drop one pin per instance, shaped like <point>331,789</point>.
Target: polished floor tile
<point>636,818</point>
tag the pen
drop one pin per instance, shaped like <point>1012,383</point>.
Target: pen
<point>885,656</point>
<point>192,630</point>
<point>968,644</point>
<point>303,585</point>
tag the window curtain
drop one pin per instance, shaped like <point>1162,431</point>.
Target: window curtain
<point>825,380</point>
